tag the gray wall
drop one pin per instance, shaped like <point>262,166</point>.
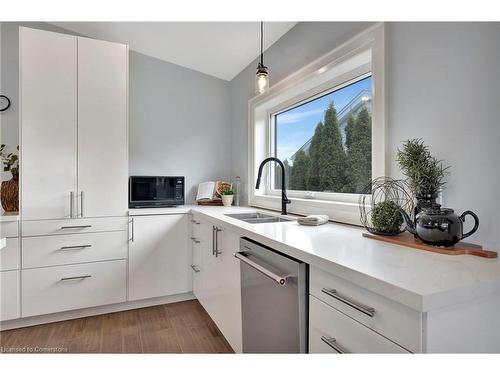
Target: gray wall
<point>444,87</point>
<point>179,122</point>
<point>178,118</point>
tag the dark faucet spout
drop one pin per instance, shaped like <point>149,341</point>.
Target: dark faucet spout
<point>284,198</point>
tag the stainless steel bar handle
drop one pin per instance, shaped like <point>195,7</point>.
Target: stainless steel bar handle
<point>370,311</point>
<point>195,240</point>
<point>71,200</point>
<point>76,277</point>
<point>76,226</point>
<point>213,239</point>
<point>217,252</point>
<point>75,247</point>
<point>81,203</point>
<point>281,280</point>
<point>332,343</point>
<point>133,231</point>
<point>195,269</point>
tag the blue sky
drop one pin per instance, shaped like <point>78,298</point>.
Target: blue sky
<point>295,126</point>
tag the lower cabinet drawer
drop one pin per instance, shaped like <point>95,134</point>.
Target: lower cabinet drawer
<point>69,226</point>
<point>9,228</point>
<point>393,320</point>
<point>9,255</point>
<point>330,331</point>
<point>53,289</point>
<point>73,248</point>
<point>9,295</point>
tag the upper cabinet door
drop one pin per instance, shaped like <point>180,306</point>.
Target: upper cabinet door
<point>48,82</point>
<point>102,128</point>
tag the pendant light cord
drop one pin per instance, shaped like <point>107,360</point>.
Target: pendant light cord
<point>262,43</point>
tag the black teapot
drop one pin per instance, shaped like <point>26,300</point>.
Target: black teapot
<point>439,226</point>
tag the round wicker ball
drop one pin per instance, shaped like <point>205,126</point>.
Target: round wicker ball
<point>380,203</point>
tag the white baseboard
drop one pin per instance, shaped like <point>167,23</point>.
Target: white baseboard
<point>98,310</point>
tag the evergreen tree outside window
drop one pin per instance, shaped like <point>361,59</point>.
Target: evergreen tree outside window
<point>326,142</point>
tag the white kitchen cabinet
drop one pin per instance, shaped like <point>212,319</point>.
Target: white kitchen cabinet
<point>102,128</point>
<point>53,289</point>
<point>331,331</point>
<point>48,102</point>
<point>43,251</point>
<point>73,126</point>
<point>9,255</point>
<point>218,283</point>
<point>159,256</point>
<point>9,295</point>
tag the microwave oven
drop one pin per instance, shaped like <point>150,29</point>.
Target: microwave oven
<point>156,191</point>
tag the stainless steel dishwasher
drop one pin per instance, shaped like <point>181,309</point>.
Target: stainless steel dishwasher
<point>273,300</point>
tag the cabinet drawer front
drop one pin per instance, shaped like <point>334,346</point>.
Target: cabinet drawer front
<point>48,227</point>
<point>9,255</point>
<point>9,295</point>
<point>44,251</point>
<point>9,229</point>
<point>330,331</point>
<point>53,289</point>
<point>391,319</point>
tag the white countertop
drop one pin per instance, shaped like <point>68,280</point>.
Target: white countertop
<point>9,216</point>
<point>422,280</point>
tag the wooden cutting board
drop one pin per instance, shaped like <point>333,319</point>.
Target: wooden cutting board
<point>408,240</point>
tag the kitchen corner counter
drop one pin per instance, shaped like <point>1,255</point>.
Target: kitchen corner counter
<point>421,280</point>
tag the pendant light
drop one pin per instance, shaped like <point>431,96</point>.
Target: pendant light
<point>261,76</point>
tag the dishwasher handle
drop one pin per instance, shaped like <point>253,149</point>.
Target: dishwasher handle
<point>281,280</point>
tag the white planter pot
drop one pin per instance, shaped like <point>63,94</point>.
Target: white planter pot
<point>227,200</point>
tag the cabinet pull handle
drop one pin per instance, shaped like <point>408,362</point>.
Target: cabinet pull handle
<point>213,239</point>
<point>195,222</point>
<point>332,343</point>
<point>76,226</point>
<point>370,311</point>
<point>75,277</point>
<point>75,247</point>
<point>195,269</point>
<point>81,203</point>
<point>71,199</point>
<point>131,239</point>
<point>217,252</point>
<point>195,240</point>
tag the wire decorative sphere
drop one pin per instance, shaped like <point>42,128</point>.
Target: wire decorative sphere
<point>379,206</point>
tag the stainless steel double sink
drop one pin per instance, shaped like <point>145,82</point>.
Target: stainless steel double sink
<point>258,218</point>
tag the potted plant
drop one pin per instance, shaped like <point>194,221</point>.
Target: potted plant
<point>425,174</point>
<point>227,195</point>
<point>9,192</point>
<point>386,218</point>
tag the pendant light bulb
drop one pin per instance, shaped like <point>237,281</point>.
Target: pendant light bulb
<point>262,75</point>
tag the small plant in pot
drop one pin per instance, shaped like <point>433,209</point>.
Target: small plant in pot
<point>227,196</point>
<point>386,218</point>
<point>425,174</point>
<point>380,206</point>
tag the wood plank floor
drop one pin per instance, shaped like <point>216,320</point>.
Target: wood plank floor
<point>183,327</point>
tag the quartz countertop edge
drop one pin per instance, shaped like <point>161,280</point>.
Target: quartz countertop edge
<point>5,217</point>
<point>418,279</point>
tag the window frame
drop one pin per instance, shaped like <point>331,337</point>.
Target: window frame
<point>326,74</point>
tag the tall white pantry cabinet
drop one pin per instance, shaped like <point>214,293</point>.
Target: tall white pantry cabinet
<point>74,172</point>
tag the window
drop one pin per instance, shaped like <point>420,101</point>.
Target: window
<point>326,122</point>
<point>325,143</point>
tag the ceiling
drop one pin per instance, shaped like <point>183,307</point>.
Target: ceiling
<point>220,49</point>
